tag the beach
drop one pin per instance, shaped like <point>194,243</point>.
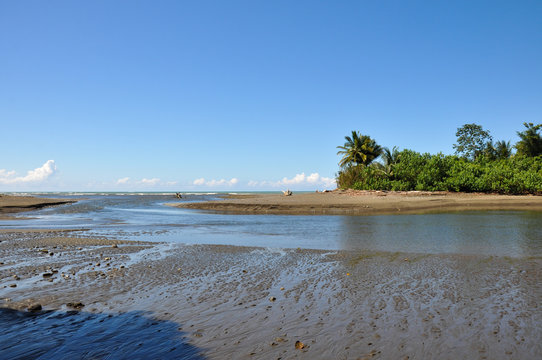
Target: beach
<point>351,202</point>
<point>248,302</point>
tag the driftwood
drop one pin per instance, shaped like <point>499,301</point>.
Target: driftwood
<point>287,192</point>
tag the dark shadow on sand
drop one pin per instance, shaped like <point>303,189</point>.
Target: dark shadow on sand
<point>49,335</point>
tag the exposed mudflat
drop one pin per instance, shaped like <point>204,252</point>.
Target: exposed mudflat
<point>255,303</point>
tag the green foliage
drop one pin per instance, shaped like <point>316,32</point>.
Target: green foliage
<point>472,141</point>
<point>415,171</point>
<point>358,150</point>
<point>531,141</point>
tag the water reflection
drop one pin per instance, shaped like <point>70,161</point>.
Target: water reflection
<point>488,233</point>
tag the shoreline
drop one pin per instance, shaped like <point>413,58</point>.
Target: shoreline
<point>249,302</point>
<point>12,204</point>
<point>352,202</point>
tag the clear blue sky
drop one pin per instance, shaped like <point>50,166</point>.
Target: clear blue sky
<point>186,93</point>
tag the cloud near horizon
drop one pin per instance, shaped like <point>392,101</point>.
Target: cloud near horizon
<point>152,181</point>
<point>33,176</point>
<point>123,180</point>
<point>313,179</point>
<point>213,182</point>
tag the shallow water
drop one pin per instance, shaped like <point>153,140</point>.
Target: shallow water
<point>144,217</point>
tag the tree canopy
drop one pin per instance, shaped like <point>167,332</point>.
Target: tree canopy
<point>472,141</point>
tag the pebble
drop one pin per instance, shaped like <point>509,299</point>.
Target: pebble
<point>12,285</point>
<point>272,298</point>
<point>114,246</point>
<point>75,305</point>
<point>34,307</point>
<point>47,275</point>
<point>299,345</point>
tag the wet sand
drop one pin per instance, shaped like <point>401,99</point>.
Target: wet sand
<point>10,204</point>
<point>367,203</point>
<point>254,303</point>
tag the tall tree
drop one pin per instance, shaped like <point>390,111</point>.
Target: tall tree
<point>358,150</point>
<point>472,141</point>
<point>531,141</point>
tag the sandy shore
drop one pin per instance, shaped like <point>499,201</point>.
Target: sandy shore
<point>254,303</point>
<point>13,204</point>
<point>366,203</point>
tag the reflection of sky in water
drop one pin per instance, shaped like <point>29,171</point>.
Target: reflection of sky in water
<point>145,218</point>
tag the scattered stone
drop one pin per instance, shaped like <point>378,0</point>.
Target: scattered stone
<point>47,274</point>
<point>13,285</point>
<point>107,259</point>
<point>122,266</point>
<point>75,305</point>
<point>299,345</point>
<point>34,307</point>
<point>45,251</point>
<point>114,246</point>
<point>272,298</point>
<point>282,288</point>
<point>16,277</point>
<point>51,253</point>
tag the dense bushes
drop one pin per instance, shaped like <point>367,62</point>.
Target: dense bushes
<point>415,171</point>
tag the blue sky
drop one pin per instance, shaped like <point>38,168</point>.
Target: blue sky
<point>250,95</point>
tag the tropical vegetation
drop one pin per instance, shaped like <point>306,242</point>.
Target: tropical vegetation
<point>479,165</point>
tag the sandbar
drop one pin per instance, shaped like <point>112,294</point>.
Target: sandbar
<point>353,202</point>
<point>10,204</point>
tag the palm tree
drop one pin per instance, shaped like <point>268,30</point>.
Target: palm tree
<point>390,157</point>
<point>358,150</point>
<point>531,141</point>
<point>503,149</point>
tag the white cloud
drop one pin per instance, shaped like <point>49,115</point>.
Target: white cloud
<point>300,180</point>
<point>213,182</point>
<point>152,181</point>
<point>33,176</point>
<point>123,180</point>
<point>199,181</point>
<point>170,183</point>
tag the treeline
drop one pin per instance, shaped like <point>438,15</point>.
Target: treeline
<point>479,165</point>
